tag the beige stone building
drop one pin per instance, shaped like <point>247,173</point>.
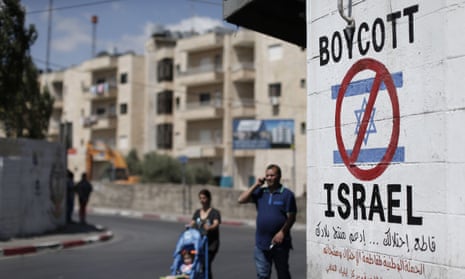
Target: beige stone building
<point>231,101</point>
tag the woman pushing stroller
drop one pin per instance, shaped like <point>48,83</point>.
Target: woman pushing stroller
<point>208,219</point>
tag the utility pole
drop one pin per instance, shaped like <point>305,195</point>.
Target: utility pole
<point>94,21</point>
<point>49,35</point>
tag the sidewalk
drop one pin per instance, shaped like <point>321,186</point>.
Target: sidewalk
<point>69,236</point>
<point>73,235</point>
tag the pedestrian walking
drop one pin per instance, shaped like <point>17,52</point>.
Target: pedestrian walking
<point>208,219</point>
<point>83,189</point>
<point>276,213</point>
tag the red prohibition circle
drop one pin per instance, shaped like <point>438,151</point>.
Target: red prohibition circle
<point>382,75</point>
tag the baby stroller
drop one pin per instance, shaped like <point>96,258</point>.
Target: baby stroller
<point>194,242</point>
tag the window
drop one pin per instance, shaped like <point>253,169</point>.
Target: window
<point>123,108</point>
<point>204,99</point>
<point>178,102</point>
<point>274,90</point>
<point>165,69</point>
<point>123,78</point>
<point>66,134</point>
<point>165,136</point>
<point>165,102</point>
<point>123,142</point>
<point>275,52</point>
<point>101,80</point>
<point>100,111</point>
<point>218,62</point>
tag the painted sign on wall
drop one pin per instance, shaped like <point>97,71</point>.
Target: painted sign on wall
<point>384,193</point>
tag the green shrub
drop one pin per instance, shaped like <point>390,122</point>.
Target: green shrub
<point>161,168</point>
<point>165,169</point>
<point>134,163</point>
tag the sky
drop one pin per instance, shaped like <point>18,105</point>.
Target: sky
<point>123,25</point>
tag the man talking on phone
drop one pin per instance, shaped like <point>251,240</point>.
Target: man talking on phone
<point>276,213</point>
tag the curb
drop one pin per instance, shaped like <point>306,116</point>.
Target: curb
<point>161,217</point>
<point>174,218</point>
<point>54,245</point>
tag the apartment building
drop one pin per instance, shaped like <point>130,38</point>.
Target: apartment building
<point>232,101</point>
<point>99,102</point>
<point>223,82</point>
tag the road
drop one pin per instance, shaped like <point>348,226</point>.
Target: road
<point>143,249</point>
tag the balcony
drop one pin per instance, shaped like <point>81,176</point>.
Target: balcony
<point>244,153</point>
<point>203,110</point>
<point>58,103</point>
<point>202,150</point>
<point>201,43</point>
<point>244,38</point>
<point>163,118</point>
<point>100,122</point>
<point>161,53</point>
<point>54,129</point>
<point>105,123</point>
<point>244,71</point>
<point>205,74</point>
<point>243,108</point>
<point>57,76</point>
<point>100,63</point>
<point>103,91</point>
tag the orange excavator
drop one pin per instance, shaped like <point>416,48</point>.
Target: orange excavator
<point>119,172</point>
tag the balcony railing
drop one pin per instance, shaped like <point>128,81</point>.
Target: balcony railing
<point>202,69</point>
<point>104,121</point>
<point>216,103</point>
<point>203,110</point>
<point>243,107</point>
<point>203,149</point>
<point>103,90</point>
<point>205,74</point>
<point>243,71</point>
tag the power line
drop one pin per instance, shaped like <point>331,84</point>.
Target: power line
<point>155,87</point>
<point>109,1</point>
<point>76,6</point>
<point>207,2</point>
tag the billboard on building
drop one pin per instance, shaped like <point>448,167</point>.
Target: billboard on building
<point>263,134</point>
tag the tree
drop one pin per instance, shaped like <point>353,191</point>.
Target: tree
<point>24,111</point>
<point>134,163</point>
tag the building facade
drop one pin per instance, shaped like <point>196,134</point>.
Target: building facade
<point>232,102</point>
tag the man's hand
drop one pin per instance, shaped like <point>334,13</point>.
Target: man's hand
<point>278,237</point>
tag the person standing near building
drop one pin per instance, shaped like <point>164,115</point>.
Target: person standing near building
<point>83,189</point>
<point>276,213</point>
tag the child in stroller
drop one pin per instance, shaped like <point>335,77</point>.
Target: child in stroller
<point>185,269</point>
<point>194,246</point>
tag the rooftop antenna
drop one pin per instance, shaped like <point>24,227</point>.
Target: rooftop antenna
<point>193,18</point>
<point>94,21</point>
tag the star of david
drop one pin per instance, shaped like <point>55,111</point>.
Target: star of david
<point>371,125</point>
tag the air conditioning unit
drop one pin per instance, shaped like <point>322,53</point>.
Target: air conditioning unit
<point>274,100</point>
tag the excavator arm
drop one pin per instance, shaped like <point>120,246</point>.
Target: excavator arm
<point>121,172</point>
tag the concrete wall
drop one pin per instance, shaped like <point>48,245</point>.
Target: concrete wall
<point>175,199</point>
<point>385,140</point>
<point>32,187</point>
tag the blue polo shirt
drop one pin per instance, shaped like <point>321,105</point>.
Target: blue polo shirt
<point>272,209</point>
